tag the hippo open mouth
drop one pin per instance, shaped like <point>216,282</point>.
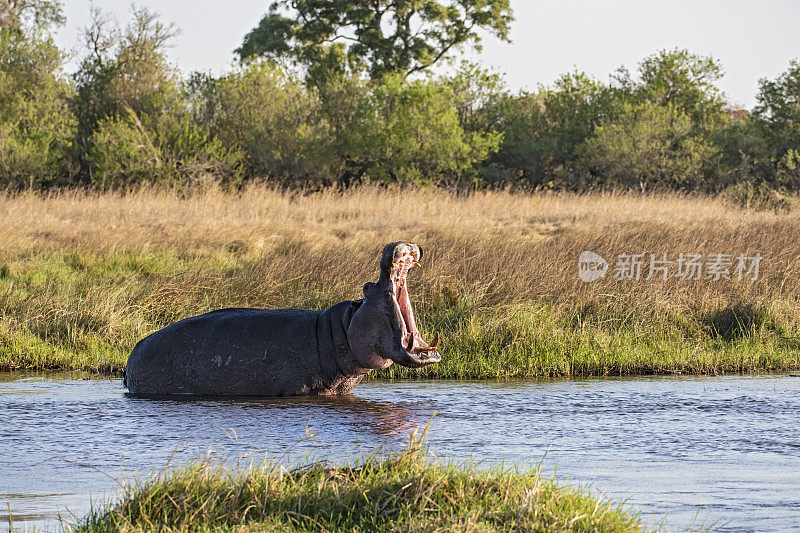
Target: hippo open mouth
<point>405,257</point>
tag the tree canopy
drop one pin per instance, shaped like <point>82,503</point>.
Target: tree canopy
<point>35,122</point>
<point>379,36</point>
<point>681,78</point>
<point>779,107</point>
<point>30,15</point>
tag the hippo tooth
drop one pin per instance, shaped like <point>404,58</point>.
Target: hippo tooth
<point>435,342</point>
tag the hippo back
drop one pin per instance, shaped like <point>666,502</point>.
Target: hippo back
<point>230,352</point>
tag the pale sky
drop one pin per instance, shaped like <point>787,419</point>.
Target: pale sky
<point>752,39</point>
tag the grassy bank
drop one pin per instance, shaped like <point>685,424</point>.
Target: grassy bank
<point>84,276</point>
<point>404,492</point>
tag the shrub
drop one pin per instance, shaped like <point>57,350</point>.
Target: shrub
<point>477,93</point>
<point>345,130</point>
<point>789,169</point>
<point>123,153</point>
<point>272,120</point>
<point>194,157</point>
<point>544,131</point>
<point>409,132</point>
<point>173,150</point>
<point>649,146</point>
<point>123,80</point>
<point>760,197</point>
<point>35,124</point>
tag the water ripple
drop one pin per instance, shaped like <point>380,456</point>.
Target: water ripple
<point>721,451</point>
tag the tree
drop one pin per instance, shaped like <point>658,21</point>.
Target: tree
<point>124,68</point>
<point>681,79</point>
<point>778,111</point>
<point>649,146</point>
<point>135,123</point>
<point>543,131</point>
<point>383,36</point>
<point>274,121</point>
<point>124,74</point>
<point>476,95</point>
<point>36,126</point>
<point>779,100</point>
<point>31,16</point>
<point>409,132</point>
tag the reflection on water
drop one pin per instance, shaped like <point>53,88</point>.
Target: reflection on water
<point>721,451</point>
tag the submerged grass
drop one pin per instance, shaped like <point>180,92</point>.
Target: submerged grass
<point>403,492</point>
<point>83,276</point>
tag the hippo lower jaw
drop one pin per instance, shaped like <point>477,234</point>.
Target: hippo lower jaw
<point>414,351</point>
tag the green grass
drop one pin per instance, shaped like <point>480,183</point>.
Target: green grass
<point>403,492</point>
<point>84,310</point>
<point>543,341</point>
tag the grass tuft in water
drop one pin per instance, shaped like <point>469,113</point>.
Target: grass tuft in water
<point>403,492</point>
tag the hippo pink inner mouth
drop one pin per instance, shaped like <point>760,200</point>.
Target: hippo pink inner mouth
<point>405,258</point>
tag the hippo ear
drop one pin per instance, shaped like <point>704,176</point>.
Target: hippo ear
<point>368,288</point>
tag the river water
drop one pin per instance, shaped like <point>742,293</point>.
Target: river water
<point>687,452</point>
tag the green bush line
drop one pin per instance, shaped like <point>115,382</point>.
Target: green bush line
<point>402,492</point>
<point>85,311</point>
<point>128,117</point>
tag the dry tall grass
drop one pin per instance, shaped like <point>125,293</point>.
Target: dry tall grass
<point>91,273</point>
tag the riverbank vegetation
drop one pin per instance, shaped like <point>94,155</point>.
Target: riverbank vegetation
<point>347,112</point>
<point>85,275</point>
<point>403,492</point>
<point>136,195</point>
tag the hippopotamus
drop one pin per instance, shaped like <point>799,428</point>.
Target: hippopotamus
<point>288,352</point>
